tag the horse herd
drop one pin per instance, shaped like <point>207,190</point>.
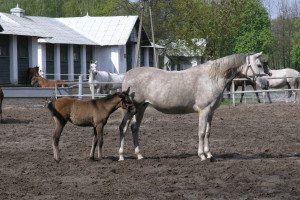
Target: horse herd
<point>198,89</point>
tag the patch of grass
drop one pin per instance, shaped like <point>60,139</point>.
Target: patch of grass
<point>226,102</point>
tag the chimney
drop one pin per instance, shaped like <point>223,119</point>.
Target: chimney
<point>17,11</point>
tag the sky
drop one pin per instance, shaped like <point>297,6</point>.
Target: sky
<point>273,6</point>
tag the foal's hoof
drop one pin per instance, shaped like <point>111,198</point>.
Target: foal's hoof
<point>57,160</point>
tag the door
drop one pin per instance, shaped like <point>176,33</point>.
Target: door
<point>4,59</point>
<point>64,61</point>
<point>23,58</point>
<point>128,57</point>
<point>77,63</point>
<point>50,61</point>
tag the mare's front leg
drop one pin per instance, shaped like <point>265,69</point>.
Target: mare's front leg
<point>206,138</point>
<point>94,143</point>
<point>55,138</point>
<point>123,130</point>
<point>135,129</point>
<point>203,118</point>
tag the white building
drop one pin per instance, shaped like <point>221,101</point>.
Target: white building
<point>65,46</point>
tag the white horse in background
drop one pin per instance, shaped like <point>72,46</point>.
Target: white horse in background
<point>104,81</point>
<point>202,92</point>
<point>279,79</point>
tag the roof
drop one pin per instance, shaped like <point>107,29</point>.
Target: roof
<point>103,31</point>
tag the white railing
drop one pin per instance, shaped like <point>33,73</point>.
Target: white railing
<point>232,91</point>
<point>80,85</point>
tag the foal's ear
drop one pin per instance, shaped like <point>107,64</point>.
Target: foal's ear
<point>128,90</point>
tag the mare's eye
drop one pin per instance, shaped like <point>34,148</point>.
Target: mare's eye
<point>259,66</point>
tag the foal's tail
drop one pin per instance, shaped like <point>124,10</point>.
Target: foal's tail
<point>54,112</point>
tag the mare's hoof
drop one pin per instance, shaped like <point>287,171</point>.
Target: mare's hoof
<point>92,158</point>
<point>57,160</point>
<point>211,159</point>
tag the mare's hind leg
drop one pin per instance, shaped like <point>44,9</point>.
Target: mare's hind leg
<point>94,143</point>
<point>135,129</point>
<point>55,138</point>
<point>123,130</point>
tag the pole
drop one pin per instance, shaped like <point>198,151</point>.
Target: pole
<point>232,93</point>
<point>154,49</point>
<point>80,88</point>
<point>139,38</point>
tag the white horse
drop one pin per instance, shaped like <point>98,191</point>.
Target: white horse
<point>279,79</point>
<point>198,89</point>
<point>111,81</point>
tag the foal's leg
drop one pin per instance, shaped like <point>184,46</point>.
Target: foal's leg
<point>55,138</point>
<point>123,130</point>
<point>99,129</point>
<point>94,143</point>
<point>135,130</point>
<point>203,118</point>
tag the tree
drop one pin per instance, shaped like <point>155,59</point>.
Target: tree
<point>296,49</point>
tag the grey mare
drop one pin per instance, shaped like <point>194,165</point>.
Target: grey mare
<point>198,89</point>
<point>104,81</point>
<point>280,78</point>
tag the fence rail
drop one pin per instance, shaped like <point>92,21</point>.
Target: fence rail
<point>232,92</point>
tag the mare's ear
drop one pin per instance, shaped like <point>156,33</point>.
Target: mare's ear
<point>259,54</point>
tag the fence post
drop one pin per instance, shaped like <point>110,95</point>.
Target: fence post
<point>80,87</point>
<point>232,93</point>
<point>245,94</point>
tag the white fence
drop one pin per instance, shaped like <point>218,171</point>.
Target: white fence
<point>237,94</point>
<point>81,91</point>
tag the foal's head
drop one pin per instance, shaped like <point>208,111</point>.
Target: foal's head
<point>34,79</point>
<point>267,68</point>
<point>127,103</point>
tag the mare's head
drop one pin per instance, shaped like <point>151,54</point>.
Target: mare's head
<point>93,68</point>
<point>34,79</point>
<point>267,68</point>
<point>254,65</point>
<point>127,103</point>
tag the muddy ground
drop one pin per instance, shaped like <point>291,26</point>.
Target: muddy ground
<point>256,146</point>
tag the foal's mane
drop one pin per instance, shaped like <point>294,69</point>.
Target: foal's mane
<point>226,66</point>
<point>108,97</point>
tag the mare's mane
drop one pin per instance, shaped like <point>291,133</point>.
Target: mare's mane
<point>226,66</point>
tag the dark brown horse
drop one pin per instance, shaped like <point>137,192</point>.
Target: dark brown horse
<point>44,83</point>
<point>94,113</point>
<point>238,83</point>
<point>1,100</point>
<point>31,71</point>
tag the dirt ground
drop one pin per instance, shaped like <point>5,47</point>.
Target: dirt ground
<point>256,146</point>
